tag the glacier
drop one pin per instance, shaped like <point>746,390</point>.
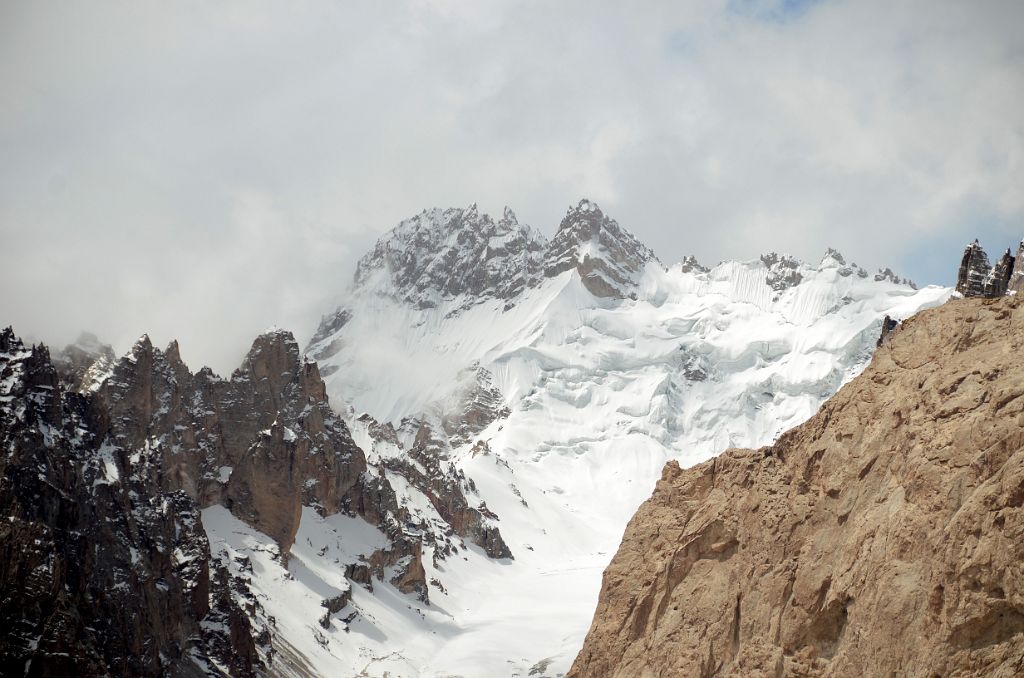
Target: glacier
<point>602,365</point>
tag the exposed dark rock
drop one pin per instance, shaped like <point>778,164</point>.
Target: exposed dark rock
<point>423,462</point>
<point>154,443</point>
<point>974,271</point>
<point>444,254</point>
<point>264,442</point>
<point>609,258</point>
<point>887,274</point>
<point>329,324</point>
<point>463,256</point>
<point>444,486</point>
<point>833,259</point>
<point>998,280</point>
<point>334,606</point>
<point>977,278</point>
<point>889,326</point>
<point>783,271</point>
<point>479,405</point>
<point>689,264</point>
<point>103,571</point>
<point>84,362</point>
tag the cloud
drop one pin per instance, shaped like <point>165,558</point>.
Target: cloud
<point>203,171</point>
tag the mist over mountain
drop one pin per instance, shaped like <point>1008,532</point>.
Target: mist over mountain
<point>200,173</point>
<point>415,339</point>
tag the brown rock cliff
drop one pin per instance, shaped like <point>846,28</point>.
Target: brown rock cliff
<point>884,537</point>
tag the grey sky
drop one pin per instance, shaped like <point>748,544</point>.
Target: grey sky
<point>204,170</point>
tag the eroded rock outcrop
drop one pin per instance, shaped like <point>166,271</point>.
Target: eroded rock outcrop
<point>998,280</point>
<point>116,458</point>
<point>264,442</point>
<point>103,570</point>
<point>974,270</point>
<point>885,536</point>
<point>783,271</point>
<point>977,278</point>
<point>422,462</point>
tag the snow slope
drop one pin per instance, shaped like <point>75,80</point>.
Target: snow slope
<point>601,389</point>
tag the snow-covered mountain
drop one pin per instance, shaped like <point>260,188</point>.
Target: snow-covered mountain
<point>551,380</point>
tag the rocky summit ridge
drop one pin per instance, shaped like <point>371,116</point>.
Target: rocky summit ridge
<point>462,254</point>
<point>440,255</point>
<point>444,254</point>
<point>884,536</point>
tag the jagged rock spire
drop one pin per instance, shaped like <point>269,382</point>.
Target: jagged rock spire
<point>978,278</point>
<point>974,269</point>
<point>999,278</point>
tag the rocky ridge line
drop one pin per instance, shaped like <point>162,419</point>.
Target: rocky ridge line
<point>263,443</point>
<point>103,570</point>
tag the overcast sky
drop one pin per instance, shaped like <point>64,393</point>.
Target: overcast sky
<point>203,170</point>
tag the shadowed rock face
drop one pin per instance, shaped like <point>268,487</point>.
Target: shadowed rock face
<point>101,491</point>
<point>264,442</point>
<point>885,536</point>
<point>1016,283</point>
<point>976,278</point>
<point>105,562</point>
<point>103,570</point>
<point>974,270</point>
<point>998,280</point>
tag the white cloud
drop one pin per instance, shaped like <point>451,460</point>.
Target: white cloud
<point>203,171</point>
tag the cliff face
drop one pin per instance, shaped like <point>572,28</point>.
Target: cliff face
<point>106,464</point>
<point>974,270</point>
<point>885,536</point>
<point>103,571</point>
<point>264,442</point>
<point>976,278</point>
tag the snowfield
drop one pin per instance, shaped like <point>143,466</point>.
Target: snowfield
<point>601,392</point>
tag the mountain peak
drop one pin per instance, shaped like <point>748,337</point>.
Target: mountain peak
<point>275,339</point>
<point>441,255</point>
<point>141,345</point>
<point>586,205</point>
<point>608,257</point>
<point>832,256</point>
<point>463,255</point>
<point>586,211</point>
